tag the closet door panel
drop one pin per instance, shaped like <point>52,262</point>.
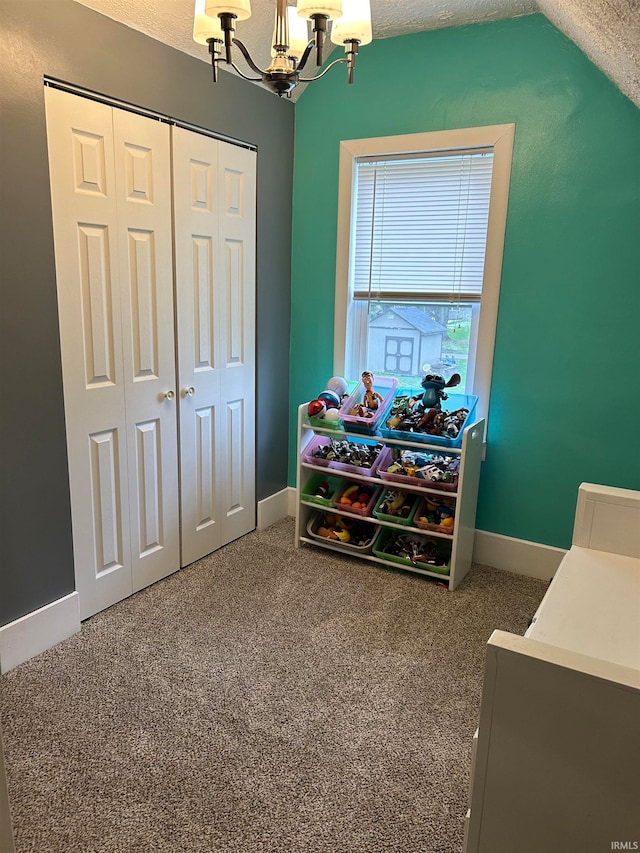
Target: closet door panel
<point>198,309</point>
<point>106,509</point>
<point>143,169</point>
<point>236,492</point>
<point>83,191</point>
<point>236,341</point>
<point>206,491</point>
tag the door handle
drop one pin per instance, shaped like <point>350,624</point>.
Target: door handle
<point>189,392</point>
<point>169,395</point>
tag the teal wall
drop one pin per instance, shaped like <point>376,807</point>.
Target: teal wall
<point>565,399</point>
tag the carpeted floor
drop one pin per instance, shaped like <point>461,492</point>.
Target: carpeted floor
<point>263,700</point>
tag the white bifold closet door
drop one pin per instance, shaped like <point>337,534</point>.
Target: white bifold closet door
<point>111,202</point>
<point>161,472</point>
<point>214,213</point>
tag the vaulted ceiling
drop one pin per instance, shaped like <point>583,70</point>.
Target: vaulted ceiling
<point>607,31</point>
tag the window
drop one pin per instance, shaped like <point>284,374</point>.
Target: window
<point>421,229</point>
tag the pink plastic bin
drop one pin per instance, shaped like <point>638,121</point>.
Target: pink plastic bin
<point>386,387</point>
<point>426,525</point>
<point>385,459</point>
<point>367,510</point>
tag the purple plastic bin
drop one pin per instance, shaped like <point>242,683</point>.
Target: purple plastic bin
<point>321,440</point>
<point>386,387</point>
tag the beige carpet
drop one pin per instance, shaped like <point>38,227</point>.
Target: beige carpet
<point>263,700</point>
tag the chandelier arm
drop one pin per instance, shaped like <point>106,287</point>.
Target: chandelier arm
<point>245,76</point>
<point>305,56</point>
<point>328,68</point>
<point>247,56</point>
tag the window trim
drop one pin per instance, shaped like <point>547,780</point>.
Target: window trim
<point>497,137</point>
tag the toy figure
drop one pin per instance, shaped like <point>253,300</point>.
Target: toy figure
<point>371,399</point>
<point>433,389</point>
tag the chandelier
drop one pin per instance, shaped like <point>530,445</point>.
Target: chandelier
<point>214,24</point>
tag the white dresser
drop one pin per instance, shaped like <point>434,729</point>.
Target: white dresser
<point>556,759</point>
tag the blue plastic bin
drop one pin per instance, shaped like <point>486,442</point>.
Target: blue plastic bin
<point>453,402</point>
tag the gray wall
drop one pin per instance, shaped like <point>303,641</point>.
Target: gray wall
<point>68,41</point>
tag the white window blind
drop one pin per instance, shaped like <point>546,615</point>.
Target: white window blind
<point>420,226</point>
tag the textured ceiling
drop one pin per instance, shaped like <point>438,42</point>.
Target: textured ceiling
<point>607,31</point>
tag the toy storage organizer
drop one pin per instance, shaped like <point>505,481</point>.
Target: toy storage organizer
<point>464,495</point>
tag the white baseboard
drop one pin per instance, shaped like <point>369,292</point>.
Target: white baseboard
<point>274,508</point>
<point>38,631</point>
<point>489,549</point>
<point>516,555</point>
<point>502,552</point>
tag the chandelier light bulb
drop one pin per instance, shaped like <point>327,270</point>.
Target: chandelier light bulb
<point>240,9</point>
<point>331,9</point>
<point>355,23</point>
<point>204,27</point>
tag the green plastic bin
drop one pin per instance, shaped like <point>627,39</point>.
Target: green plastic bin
<point>386,533</point>
<point>396,519</point>
<point>308,490</point>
